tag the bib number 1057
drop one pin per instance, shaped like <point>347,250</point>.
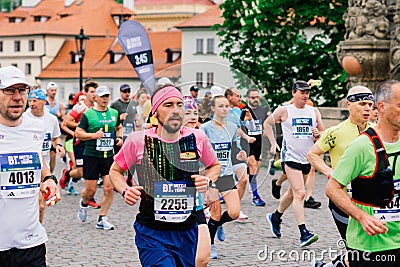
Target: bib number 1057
<point>21,177</point>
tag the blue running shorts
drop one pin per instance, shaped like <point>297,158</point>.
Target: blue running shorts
<point>166,248</point>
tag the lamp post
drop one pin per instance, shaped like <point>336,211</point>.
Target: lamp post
<point>81,41</point>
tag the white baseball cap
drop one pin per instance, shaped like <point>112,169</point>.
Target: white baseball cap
<point>51,85</point>
<point>102,90</point>
<point>11,75</point>
<point>216,91</point>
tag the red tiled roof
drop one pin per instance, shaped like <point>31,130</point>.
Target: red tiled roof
<point>173,2</point>
<point>207,19</point>
<point>97,59</point>
<point>93,15</point>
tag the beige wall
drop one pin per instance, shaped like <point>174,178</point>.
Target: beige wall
<point>45,49</point>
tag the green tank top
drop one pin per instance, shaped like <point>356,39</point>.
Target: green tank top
<point>106,121</point>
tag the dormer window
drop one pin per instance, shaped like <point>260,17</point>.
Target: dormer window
<point>40,18</point>
<point>15,20</point>
<point>173,54</point>
<point>115,56</point>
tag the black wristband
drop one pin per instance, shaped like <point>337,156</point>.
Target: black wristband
<point>53,177</point>
<point>120,137</point>
<point>59,145</point>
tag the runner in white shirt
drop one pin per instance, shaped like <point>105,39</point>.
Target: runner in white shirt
<point>22,176</point>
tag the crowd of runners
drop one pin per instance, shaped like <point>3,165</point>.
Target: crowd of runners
<point>189,162</point>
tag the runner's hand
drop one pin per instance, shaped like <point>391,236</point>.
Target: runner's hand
<point>241,155</point>
<point>373,226</point>
<point>50,186</point>
<point>132,194</point>
<point>274,148</point>
<point>251,140</point>
<point>201,182</point>
<point>99,134</point>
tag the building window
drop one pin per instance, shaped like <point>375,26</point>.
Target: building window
<point>199,79</point>
<point>31,45</point>
<point>28,68</point>
<point>1,46</point>
<point>17,46</point>
<point>14,64</point>
<point>210,46</point>
<point>199,46</point>
<point>210,79</point>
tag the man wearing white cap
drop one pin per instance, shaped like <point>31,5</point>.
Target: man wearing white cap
<point>100,127</point>
<point>58,110</point>
<point>23,238</point>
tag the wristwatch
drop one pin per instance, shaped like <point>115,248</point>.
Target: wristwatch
<point>52,177</point>
<point>211,183</point>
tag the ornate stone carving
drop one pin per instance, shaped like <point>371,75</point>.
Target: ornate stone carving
<point>370,52</point>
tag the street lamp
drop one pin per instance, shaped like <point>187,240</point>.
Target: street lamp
<point>81,41</point>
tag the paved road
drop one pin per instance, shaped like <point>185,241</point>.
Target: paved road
<point>72,243</point>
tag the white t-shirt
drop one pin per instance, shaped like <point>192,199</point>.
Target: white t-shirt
<point>20,149</point>
<point>52,131</point>
<point>297,135</point>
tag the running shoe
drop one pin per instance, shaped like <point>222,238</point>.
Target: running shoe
<point>307,238</point>
<point>92,203</point>
<point>221,233</point>
<point>271,167</point>
<point>213,252</point>
<point>311,203</point>
<point>63,180</point>
<point>100,182</point>
<point>257,201</point>
<point>275,224</point>
<point>221,199</point>
<point>82,213</point>
<point>242,217</point>
<point>317,263</point>
<point>104,224</point>
<point>72,191</point>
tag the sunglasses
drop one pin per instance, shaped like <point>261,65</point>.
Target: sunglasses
<point>23,90</point>
<point>126,91</point>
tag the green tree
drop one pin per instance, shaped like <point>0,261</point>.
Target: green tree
<point>6,4</point>
<point>265,39</point>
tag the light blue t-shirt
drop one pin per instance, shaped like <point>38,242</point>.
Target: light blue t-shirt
<point>234,116</point>
<point>221,140</point>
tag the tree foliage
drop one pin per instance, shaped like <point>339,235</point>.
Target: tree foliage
<point>265,39</point>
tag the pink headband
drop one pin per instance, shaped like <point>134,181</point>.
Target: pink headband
<point>163,94</point>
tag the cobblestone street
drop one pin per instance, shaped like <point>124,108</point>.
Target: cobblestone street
<point>249,243</point>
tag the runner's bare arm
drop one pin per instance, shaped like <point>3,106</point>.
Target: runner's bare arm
<point>314,157</point>
<point>131,194</point>
<point>276,116</point>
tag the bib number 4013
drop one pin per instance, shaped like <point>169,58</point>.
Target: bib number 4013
<point>173,204</point>
<point>21,177</point>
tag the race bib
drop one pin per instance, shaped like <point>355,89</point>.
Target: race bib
<point>106,143</point>
<point>128,128</point>
<point>223,151</point>
<point>391,213</point>
<point>255,128</point>
<point>301,127</point>
<point>20,175</point>
<point>173,201</point>
<point>46,144</point>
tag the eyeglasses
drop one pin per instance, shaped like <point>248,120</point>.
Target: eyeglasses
<point>23,90</point>
<point>126,92</point>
